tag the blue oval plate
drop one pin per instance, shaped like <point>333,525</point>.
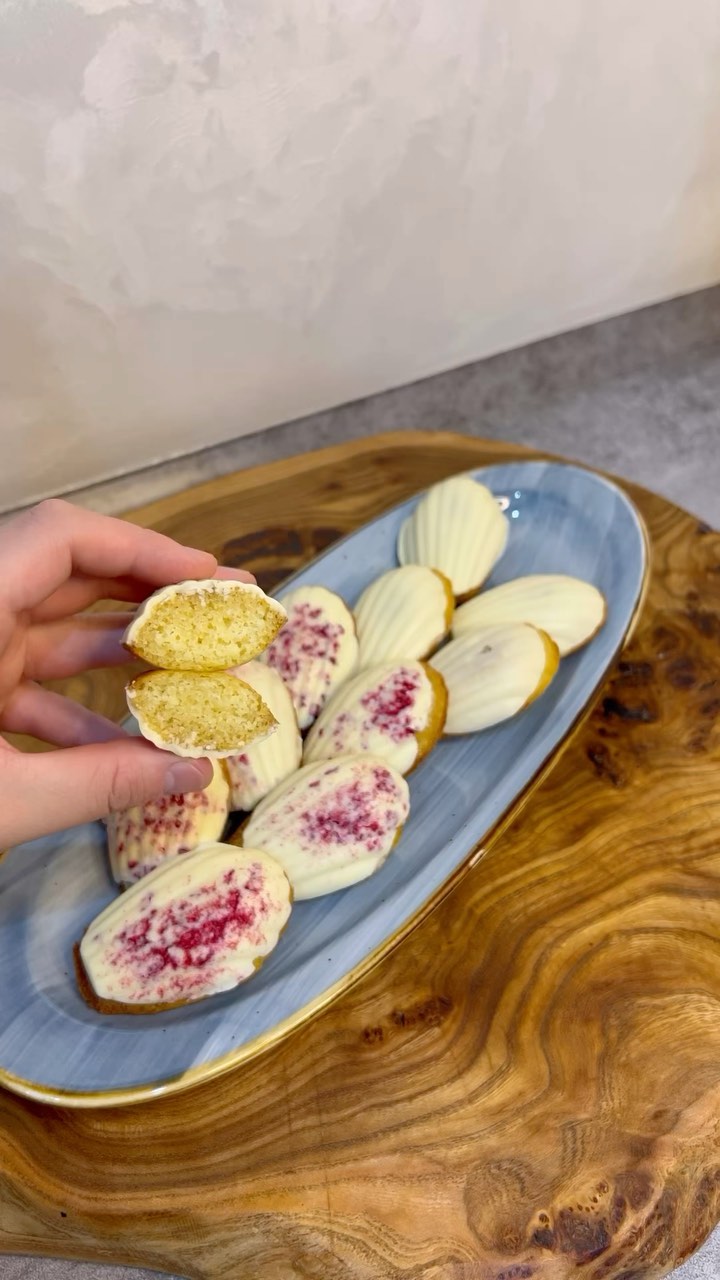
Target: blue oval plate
<point>55,1048</point>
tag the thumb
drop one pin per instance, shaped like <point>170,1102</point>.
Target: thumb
<point>44,793</point>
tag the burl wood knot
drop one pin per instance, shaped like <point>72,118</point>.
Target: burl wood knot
<point>499,1199</point>
<point>605,1222</point>
<point>669,675</point>
<point>428,1013</point>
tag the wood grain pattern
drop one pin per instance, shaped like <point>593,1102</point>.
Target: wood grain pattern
<point>527,1088</point>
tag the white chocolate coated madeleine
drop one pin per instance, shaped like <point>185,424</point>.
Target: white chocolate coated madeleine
<point>142,838</point>
<point>494,672</point>
<point>331,824</point>
<point>208,625</point>
<point>568,609</point>
<point>316,650</point>
<point>196,926</point>
<point>403,615</point>
<point>191,714</point>
<point>395,712</point>
<point>261,766</point>
<point>458,528</point>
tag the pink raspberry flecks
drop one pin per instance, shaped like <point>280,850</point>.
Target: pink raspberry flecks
<point>390,704</point>
<point>181,941</point>
<point>308,638</point>
<point>351,814</point>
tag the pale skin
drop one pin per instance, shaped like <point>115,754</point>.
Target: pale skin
<point>55,561</point>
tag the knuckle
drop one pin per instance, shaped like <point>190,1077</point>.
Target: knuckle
<point>125,787</point>
<point>51,511</point>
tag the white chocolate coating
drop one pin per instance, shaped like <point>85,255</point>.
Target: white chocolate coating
<point>569,610</point>
<point>142,838</point>
<point>196,926</point>
<point>492,673</point>
<point>401,616</point>
<point>316,650</point>
<point>254,772</point>
<point>458,528</point>
<point>379,712</point>
<point>332,824</point>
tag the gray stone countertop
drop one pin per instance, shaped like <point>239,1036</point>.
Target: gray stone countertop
<point>638,395</point>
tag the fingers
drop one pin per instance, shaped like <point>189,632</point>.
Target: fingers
<point>57,649</point>
<point>40,794</point>
<point>63,648</point>
<point>49,544</point>
<point>79,593</point>
<point>52,718</point>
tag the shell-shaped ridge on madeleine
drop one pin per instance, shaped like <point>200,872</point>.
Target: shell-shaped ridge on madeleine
<point>493,673</point>
<point>194,927</point>
<point>148,835</point>
<point>568,609</point>
<point>254,772</point>
<point>331,824</point>
<point>316,650</point>
<point>458,528</point>
<point>395,712</point>
<point>403,615</point>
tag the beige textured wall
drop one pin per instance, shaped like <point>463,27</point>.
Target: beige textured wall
<point>218,215</point>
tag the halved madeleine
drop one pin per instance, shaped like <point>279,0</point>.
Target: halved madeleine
<point>198,714</point>
<point>204,625</point>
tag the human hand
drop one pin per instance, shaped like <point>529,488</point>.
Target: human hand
<point>55,561</point>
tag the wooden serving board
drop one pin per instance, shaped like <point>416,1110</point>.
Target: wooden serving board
<point>528,1087</point>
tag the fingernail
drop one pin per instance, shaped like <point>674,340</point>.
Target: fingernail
<point>187,775</point>
<point>202,551</point>
<point>231,574</point>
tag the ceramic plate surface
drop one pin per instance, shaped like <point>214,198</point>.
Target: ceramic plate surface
<point>52,1046</point>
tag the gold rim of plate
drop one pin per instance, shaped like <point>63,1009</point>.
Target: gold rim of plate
<point>264,1043</point>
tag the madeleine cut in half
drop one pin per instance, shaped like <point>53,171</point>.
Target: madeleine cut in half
<point>208,625</point>
<point>261,766</point>
<point>316,650</point>
<point>142,838</point>
<point>196,926</point>
<point>331,824</point>
<point>395,712</point>
<point>403,615</point>
<point>198,715</point>
<point>569,610</point>
<point>494,672</point>
<point>457,528</point>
